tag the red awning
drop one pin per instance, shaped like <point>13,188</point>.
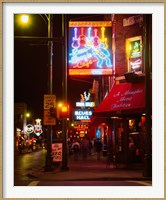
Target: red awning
<point>124,98</point>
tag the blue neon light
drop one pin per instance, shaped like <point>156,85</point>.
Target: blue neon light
<point>89,50</point>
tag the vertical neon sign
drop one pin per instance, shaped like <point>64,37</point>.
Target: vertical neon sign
<point>90,48</point>
<point>134,53</point>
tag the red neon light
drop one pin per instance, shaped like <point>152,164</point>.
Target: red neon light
<point>90,48</point>
<point>90,24</point>
<point>89,71</point>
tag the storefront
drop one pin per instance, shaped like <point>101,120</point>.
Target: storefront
<point>121,116</point>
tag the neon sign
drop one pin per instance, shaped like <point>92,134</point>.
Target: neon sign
<point>85,97</point>
<point>134,53</point>
<point>38,127</point>
<point>85,104</point>
<point>29,128</point>
<point>82,114</point>
<point>90,48</point>
<point>135,64</point>
<point>135,48</point>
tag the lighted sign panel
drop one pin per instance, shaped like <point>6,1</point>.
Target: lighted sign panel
<point>85,104</point>
<point>134,53</point>
<point>135,64</point>
<point>29,128</point>
<point>82,114</point>
<point>57,152</point>
<point>135,48</point>
<point>90,48</point>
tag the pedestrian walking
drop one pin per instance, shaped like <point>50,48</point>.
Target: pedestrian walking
<point>30,145</point>
<point>137,155</point>
<point>20,144</point>
<point>84,148</point>
<point>76,149</point>
<point>98,146</point>
<point>70,150</point>
<point>90,147</point>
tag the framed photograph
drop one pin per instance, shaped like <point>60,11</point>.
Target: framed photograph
<point>62,50</point>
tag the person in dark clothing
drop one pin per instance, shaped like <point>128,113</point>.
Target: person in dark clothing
<point>98,145</point>
<point>90,147</point>
<point>30,145</point>
<point>85,148</point>
<point>76,149</point>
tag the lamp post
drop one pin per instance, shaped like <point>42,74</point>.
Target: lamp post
<point>49,20</point>
<point>48,164</point>
<point>64,88</point>
<point>49,39</point>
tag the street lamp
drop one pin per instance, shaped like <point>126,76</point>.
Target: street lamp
<point>27,115</point>
<point>25,18</point>
<point>47,19</point>
<point>64,88</point>
<point>48,166</point>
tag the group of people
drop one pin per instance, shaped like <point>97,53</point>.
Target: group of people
<point>85,147</point>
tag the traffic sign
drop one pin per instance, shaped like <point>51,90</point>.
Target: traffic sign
<point>49,101</point>
<point>48,120</point>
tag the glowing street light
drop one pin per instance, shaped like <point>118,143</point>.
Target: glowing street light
<point>48,18</point>
<point>27,115</point>
<point>62,111</point>
<point>24,18</point>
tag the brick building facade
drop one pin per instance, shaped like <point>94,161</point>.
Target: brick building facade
<point>123,130</point>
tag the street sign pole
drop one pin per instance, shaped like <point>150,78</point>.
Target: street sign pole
<point>48,166</point>
<point>49,102</point>
<point>64,81</point>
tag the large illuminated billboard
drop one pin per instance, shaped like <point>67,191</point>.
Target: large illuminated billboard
<point>90,48</point>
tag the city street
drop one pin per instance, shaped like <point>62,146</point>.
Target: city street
<point>29,171</point>
<point>102,99</point>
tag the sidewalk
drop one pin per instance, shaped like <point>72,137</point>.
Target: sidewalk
<point>91,169</point>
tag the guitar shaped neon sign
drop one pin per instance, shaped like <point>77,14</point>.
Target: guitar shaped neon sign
<point>89,39</point>
<point>95,39</point>
<point>75,43</point>
<point>82,38</point>
<point>103,38</point>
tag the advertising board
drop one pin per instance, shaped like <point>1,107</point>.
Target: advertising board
<point>57,152</point>
<point>90,44</point>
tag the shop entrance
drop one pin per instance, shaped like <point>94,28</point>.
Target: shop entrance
<point>126,140</point>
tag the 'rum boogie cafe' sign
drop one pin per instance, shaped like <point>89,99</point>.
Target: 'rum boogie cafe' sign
<point>89,44</point>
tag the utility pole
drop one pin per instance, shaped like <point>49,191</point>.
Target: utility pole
<point>48,166</point>
<point>148,97</point>
<point>64,88</point>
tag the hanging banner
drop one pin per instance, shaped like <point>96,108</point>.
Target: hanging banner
<point>90,48</point>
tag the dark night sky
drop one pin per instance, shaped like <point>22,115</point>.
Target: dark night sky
<point>31,66</point>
